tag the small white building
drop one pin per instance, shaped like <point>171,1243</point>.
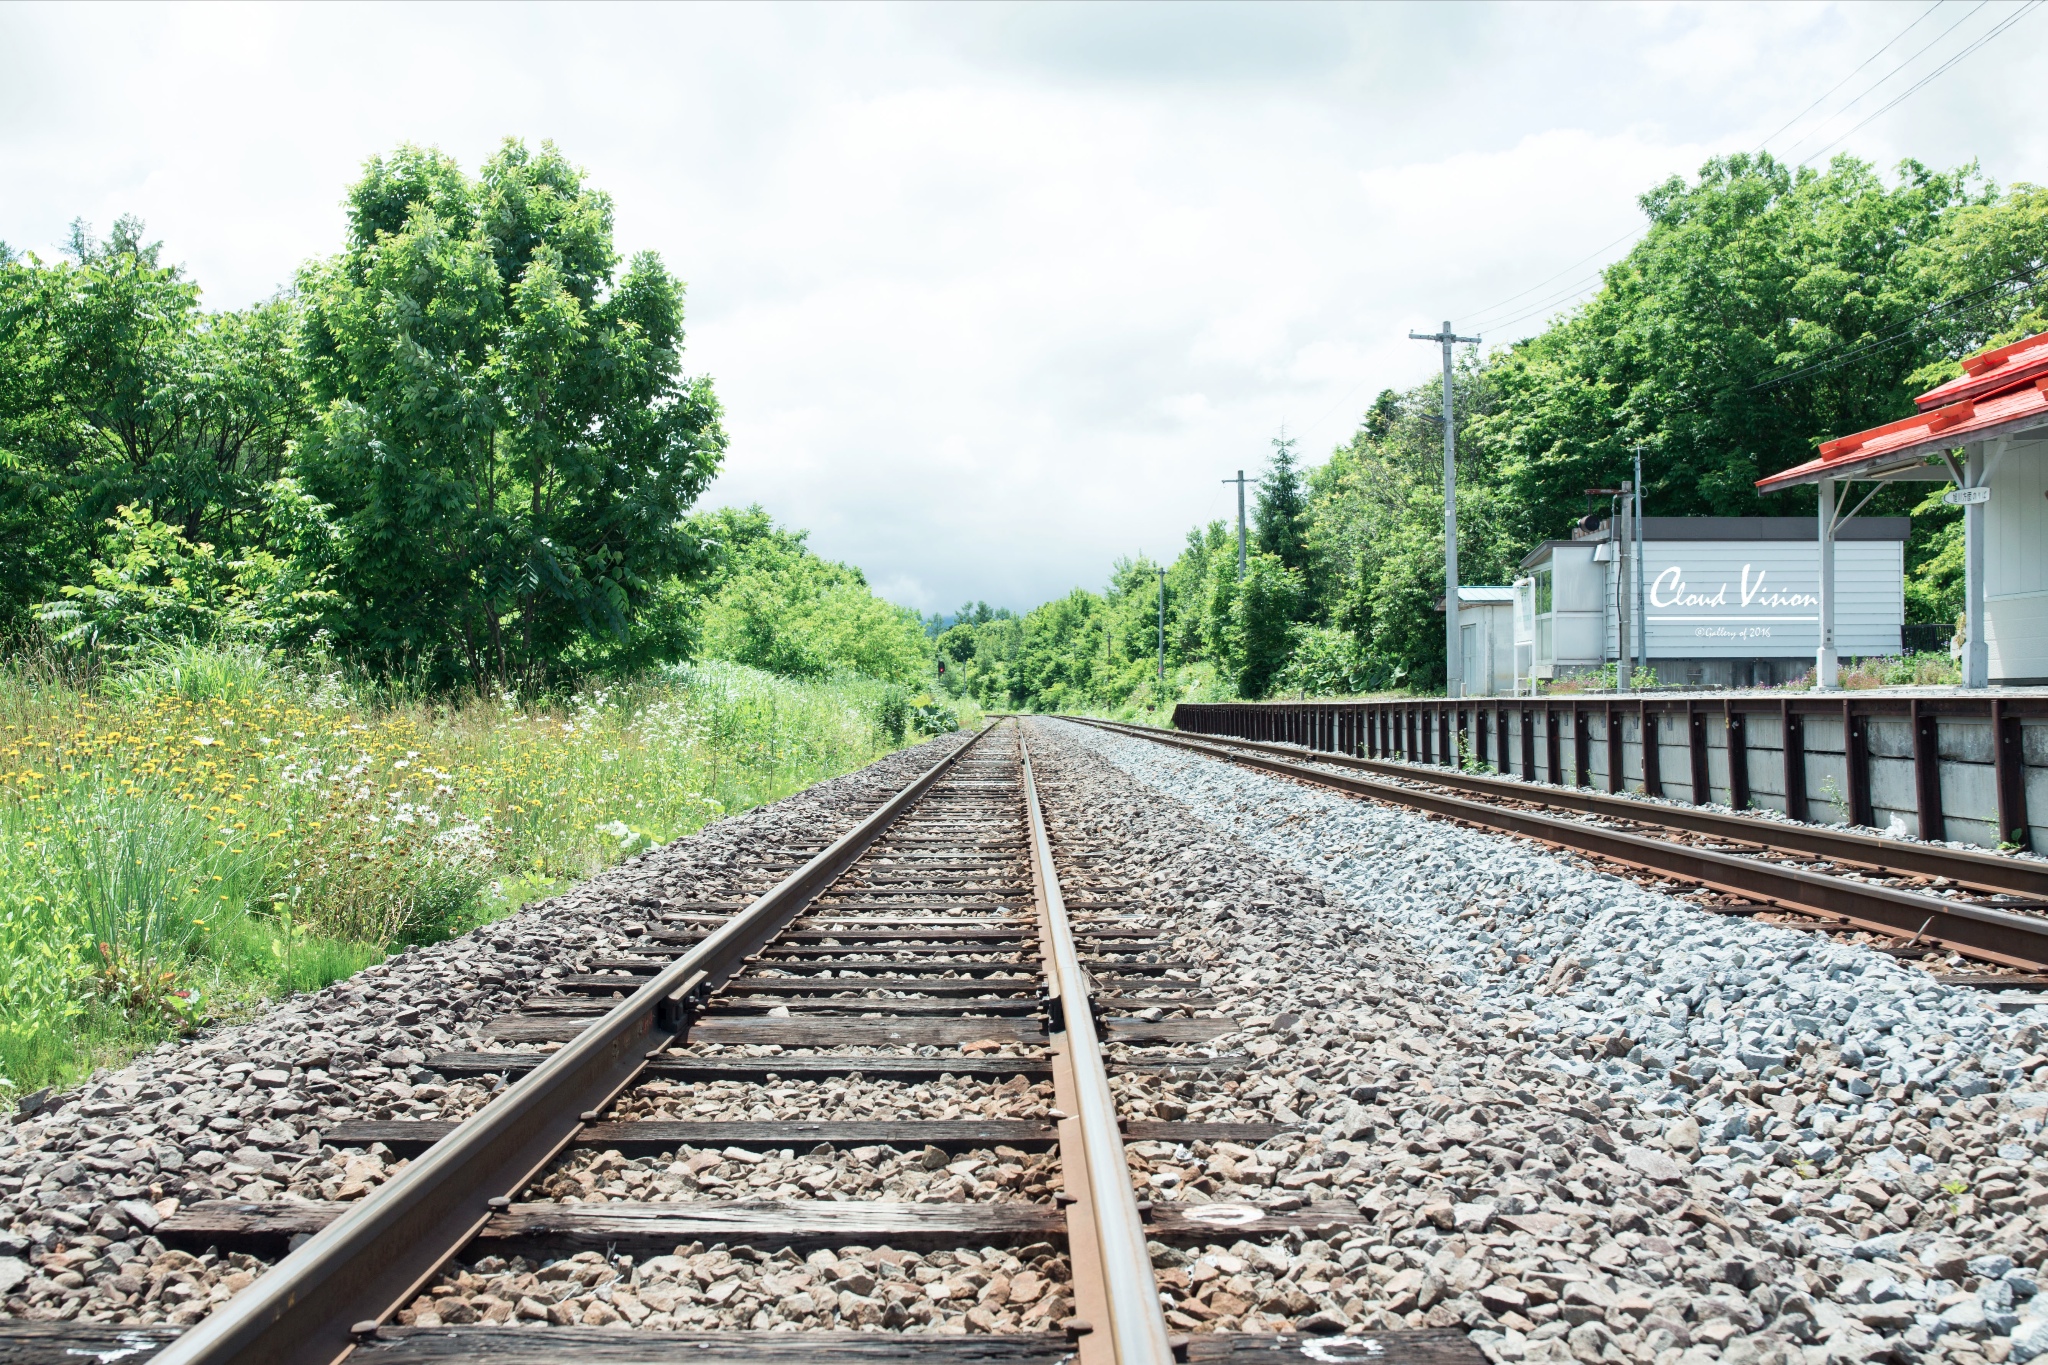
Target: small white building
<point>1486,640</point>
<point>1727,601</point>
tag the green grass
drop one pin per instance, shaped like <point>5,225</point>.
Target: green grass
<point>210,830</point>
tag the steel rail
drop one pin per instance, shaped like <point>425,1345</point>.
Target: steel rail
<point>1105,1230</point>
<point>1991,872</point>
<point>310,1307</point>
<point>1974,930</point>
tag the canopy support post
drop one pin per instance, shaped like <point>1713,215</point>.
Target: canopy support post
<point>1976,649</point>
<point>1827,664</point>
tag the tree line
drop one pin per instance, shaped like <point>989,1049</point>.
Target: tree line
<point>463,449</point>
<point>1765,309</point>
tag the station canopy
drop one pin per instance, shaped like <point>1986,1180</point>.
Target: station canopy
<point>2001,392</point>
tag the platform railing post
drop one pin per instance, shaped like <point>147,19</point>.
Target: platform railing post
<point>1927,772</point>
<point>2009,758</point>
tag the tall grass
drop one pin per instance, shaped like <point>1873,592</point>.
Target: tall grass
<point>210,828</point>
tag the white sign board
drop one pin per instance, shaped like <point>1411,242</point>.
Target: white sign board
<point>1703,599</point>
<point>1967,497</point>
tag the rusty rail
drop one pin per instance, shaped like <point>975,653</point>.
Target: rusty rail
<point>1105,1229</point>
<point>310,1307</point>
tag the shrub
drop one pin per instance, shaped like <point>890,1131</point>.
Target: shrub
<point>153,588</point>
<point>1927,669</point>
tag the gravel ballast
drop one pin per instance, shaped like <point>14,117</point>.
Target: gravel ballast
<point>1597,1122</point>
<point>1580,1119</point>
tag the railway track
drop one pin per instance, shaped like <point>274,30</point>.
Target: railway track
<point>1915,897</point>
<point>934,940</point>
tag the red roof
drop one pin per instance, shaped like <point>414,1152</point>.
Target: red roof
<point>1989,371</point>
<point>2002,388</point>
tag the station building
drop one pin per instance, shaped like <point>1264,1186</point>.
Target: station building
<point>1722,601</point>
<point>1995,416</point>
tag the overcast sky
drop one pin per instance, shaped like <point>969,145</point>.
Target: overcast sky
<point>993,295</point>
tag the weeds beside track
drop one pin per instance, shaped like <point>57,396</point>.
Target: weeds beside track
<point>209,830</point>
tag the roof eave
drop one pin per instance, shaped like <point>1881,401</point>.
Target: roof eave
<point>1899,465</point>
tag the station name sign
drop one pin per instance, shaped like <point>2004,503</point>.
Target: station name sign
<point>1747,607</point>
<point>1671,590</point>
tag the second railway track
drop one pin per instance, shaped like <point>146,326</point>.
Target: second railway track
<point>1983,906</point>
<point>643,1155</point>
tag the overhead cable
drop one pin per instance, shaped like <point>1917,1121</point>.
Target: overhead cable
<point>1851,76</point>
<point>1473,320</point>
<point>1484,318</point>
<point>2022,12</point>
<point>1872,86</point>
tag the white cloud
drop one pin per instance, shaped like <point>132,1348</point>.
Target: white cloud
<point>992,294</point>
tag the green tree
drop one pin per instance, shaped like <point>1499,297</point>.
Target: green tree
<point>503,426</point>
<point>1280,516</point>
<point>1766,309</point>
<point>152,587</point>
<point>1260,633</point>
<point>118,390</point>
<point>958,645</point>
<point>772,603</point>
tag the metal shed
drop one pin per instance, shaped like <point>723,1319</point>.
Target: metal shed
<point>1486,641</point>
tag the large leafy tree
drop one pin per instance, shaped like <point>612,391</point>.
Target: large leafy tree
<point>1260,629</point>
<point>1766,309</point>
<point>502,424</point>
<point>117,389</point>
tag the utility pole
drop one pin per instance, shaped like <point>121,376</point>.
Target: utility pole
<point>1636,524</point>
<point>1624,657</point>
<point>1239,481</point>
<point>1453,683</point>
<point>1162,625</point>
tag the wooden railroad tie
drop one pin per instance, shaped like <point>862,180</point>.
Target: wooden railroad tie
<point>804,1225</point>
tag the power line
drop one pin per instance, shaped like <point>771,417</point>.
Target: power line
<point>1552,300</point>
<point>1493,307</point>
<point>1942,305</point>
<point>1483,316</point>
<point>1555,300</point>
<point>1851,76</point>
<point>1349,394</point>
<point>1869,89</point>
<point>2022,12</point>
<point>1584,283</point>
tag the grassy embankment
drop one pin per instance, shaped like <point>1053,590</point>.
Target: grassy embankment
<point>188,840</point>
